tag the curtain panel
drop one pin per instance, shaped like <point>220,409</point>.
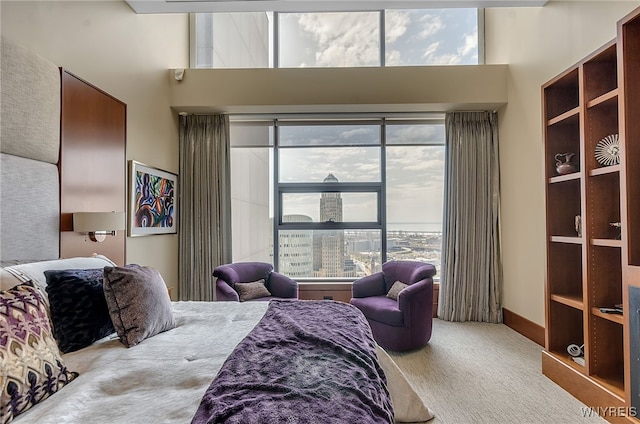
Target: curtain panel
<point>205,218</point>
<point>471,280</point>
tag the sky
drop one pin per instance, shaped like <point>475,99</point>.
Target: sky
<point>413,37</point>
<point>415,174</point>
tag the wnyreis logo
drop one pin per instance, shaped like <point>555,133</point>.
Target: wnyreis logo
<point>609,411</point>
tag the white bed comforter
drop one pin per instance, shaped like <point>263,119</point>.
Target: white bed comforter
<point>161,380</point>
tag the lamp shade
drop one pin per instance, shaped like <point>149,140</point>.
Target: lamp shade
<point>85,222</point>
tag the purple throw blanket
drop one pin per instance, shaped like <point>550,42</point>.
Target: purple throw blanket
<point>304,362</point>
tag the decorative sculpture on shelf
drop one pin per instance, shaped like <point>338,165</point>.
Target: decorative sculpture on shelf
<point>618,227</point>
<point>563,163</point>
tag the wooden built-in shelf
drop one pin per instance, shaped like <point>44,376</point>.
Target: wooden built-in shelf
<point>605,170</point>
<point>573,301</point>
<point>617,318</point>
<point>565,239</point>
<point>565,358</point>
<point>564,116</point>
<point>606,243</point>
<point>563,178</point>
<point>593,99</point>
<point>614,386</point>
<point>611,96</point>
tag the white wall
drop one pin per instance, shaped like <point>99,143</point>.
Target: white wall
<point>538,44</point>
<point>126,55</point>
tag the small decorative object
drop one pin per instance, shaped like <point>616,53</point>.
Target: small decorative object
<point>578,224</point>
<point>563,163</point>
<point>608,150</point>
<point>152,200</point>
<point>575,350</point>
<point>618,227</point>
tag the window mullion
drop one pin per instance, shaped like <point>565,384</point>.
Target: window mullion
<point>382,205</point>
<point>383,31</point>
<point>277,202</point>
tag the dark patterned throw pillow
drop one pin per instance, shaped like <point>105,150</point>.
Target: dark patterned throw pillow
<point>79,310</point>
<point>30,363</point>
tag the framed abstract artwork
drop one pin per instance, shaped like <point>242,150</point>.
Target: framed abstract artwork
<point>153,195</point>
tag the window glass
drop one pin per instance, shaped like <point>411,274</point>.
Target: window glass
<point>252,204</point>
<point>328,135</point>
<point>415,134</point>
<point>317,164</point>
<point>350,233</point>
<point>431,37</point>
<point>329,253</point>
<point>336,39</point>
<point>233,40</point>
<point>332,207</point>
<point>250,134</point>
<point>415,191</point>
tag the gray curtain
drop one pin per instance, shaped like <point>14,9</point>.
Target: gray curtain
<point>471,280</point>
<point>205,205</point>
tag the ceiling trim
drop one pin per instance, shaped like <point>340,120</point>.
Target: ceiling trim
<point>225,6</point>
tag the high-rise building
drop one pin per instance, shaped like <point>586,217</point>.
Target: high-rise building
<point>296,249</point>
<point>328,245</point>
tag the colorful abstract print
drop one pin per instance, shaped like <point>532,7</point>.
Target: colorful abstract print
<point>154,201</point>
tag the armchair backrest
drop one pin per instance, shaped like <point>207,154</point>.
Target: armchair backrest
<point>408,272</point>
<point>243,272</point>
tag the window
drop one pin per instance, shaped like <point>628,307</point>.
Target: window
<point>395,37</point>
<point>341,197</point>
<point>329,39</point>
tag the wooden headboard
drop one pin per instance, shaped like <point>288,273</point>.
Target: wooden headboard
<point>62,150</point>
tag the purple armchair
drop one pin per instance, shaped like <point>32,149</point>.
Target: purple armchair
<point>279,285</point>
<point>403,324</point>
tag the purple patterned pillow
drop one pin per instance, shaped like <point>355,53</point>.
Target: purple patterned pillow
<point>30,361</point>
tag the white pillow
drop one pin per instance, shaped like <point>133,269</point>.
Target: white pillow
<point>407,405</point>
<point>34,271</point>
<point>8,280</point>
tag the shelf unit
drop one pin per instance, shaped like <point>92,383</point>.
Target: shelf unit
<point>584,263</point>
<point>629,104</point>
<point>593,266</point>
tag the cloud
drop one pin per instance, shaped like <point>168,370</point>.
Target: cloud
<point>430,26</point>
<point>358,132</point>
<point>470,46</point>
<point>396,23</point>
<point>343,39</point>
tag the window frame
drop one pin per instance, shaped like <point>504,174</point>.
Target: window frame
<point>275,122</point>
<point>274,35</point>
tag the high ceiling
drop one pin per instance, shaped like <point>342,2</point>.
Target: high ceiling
<point>204,6</point>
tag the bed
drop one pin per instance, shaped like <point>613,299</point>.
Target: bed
<point>234,362</point>
<point>83,340</point>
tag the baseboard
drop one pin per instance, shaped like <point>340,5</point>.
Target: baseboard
<point>529,329</point>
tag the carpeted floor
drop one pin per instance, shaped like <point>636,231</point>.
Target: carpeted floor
<point>473,373</point>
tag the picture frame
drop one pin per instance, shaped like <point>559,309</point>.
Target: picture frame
<point>153,200</point>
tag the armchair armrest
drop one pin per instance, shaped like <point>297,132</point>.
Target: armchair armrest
<point>224,292</point>
<point>371,285</point>
<point>416,300</point>
<point>282,286</point>
<point>226,273</point>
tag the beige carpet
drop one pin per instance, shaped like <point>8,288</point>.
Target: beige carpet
<point>486,373</point>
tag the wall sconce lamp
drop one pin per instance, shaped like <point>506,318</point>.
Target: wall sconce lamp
<point>98,225</point>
